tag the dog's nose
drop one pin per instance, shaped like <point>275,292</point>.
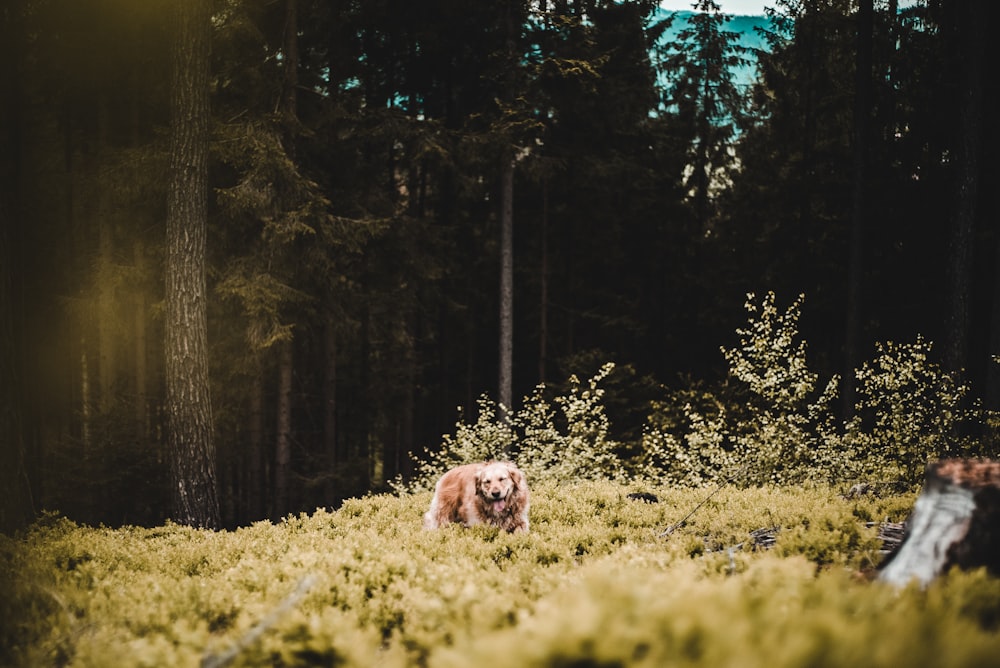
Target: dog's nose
<point>496,495</point>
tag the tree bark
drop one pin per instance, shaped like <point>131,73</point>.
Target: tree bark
<point>330,408</point>
<point>105,320</point>
<point>505,376</point>
<point>855,267</point>
<point>16,505</point>
<point>85,399</point>
<point>505,391</point>
<point>955,522</point>
<point>543,300</point>
<point>286,357</point>
<point>291,60</point>
<point>256,477</point>
<point>993,373</point>
<point>15,491</point>
<point>140,349</point>
<point>188,405</point>
<point>283,450</point>
<point>960,251</point>
<point>362,451</point>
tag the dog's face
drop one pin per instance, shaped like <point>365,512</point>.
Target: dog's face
<point>495,483</point>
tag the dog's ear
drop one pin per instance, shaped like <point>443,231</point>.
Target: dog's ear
<point>515,474</point>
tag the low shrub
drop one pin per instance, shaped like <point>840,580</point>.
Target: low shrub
<point>600,580</point>
<point>773,422</point>
<point>778,612</point>
<point>770,422</point>
<point>909,411</point>
<point>565,439</point>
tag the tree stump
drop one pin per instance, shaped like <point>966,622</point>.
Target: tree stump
<point>955,522</point>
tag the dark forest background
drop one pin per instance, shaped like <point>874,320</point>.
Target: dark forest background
<point>365,156</point>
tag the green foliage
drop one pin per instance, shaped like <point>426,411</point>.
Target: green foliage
<point>771,424</point>
<point>568,441</point>
<point>700,87</point>
<point>364,229</point>
<point>596,582</point>
<point>780,439</point>
<point>767,427</point>
<point>911,411</point>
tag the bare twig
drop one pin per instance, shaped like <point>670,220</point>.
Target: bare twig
<point>765,538</point>
<point>890,533</point>
<point>258,629</point>
<point>674,527</point>
<point>860,489</point>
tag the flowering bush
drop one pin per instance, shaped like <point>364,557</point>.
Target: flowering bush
<point>767,425</point>
<point>569,440</point>
<point>772,425</point>
<point>770,422</point>
<point>909,410</point>
<point>776,442</point>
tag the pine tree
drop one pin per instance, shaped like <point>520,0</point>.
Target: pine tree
<point>706,103</point>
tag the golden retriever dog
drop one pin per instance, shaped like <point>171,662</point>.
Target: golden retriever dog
<point>494,493</point>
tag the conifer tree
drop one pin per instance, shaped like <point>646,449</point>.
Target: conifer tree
<point>787,214</point>
<point>707,104</point>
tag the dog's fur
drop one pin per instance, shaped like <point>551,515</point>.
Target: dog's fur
<point>494,493</point>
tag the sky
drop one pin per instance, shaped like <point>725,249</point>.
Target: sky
<point>737,7</point>
<point>731,7</point>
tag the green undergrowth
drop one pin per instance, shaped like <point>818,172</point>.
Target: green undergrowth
<point>601,580</point>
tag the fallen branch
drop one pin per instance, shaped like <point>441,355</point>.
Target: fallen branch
<point>872,488</point>
<point>890,533</point>
<point>674,527</point>
<point>258,629</point>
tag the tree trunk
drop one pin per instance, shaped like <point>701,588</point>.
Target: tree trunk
<point>283,449</point>
<point>505,376</point>
<point>543,305</point>
<point>960,251</point>
<point>291,60</point>
<point>256,477</point>
<point>85,401</point>
<point>407,415</point>
<point>993,374</point>
<point>955,522</point>
<point>505,391</point>
<point>188,403</point>
<point>15,492</point>
<point>330,409</point>
<point>140,348</point>
<point>855,267</point>
<point>399,440</point>
<point>363,451</point>
<point>16,509</point>
<point>104,271</point>
<point>286,357</point>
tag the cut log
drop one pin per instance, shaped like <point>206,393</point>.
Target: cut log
<point>955,522</point>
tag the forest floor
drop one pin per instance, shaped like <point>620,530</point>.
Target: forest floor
<point>772,576</point>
